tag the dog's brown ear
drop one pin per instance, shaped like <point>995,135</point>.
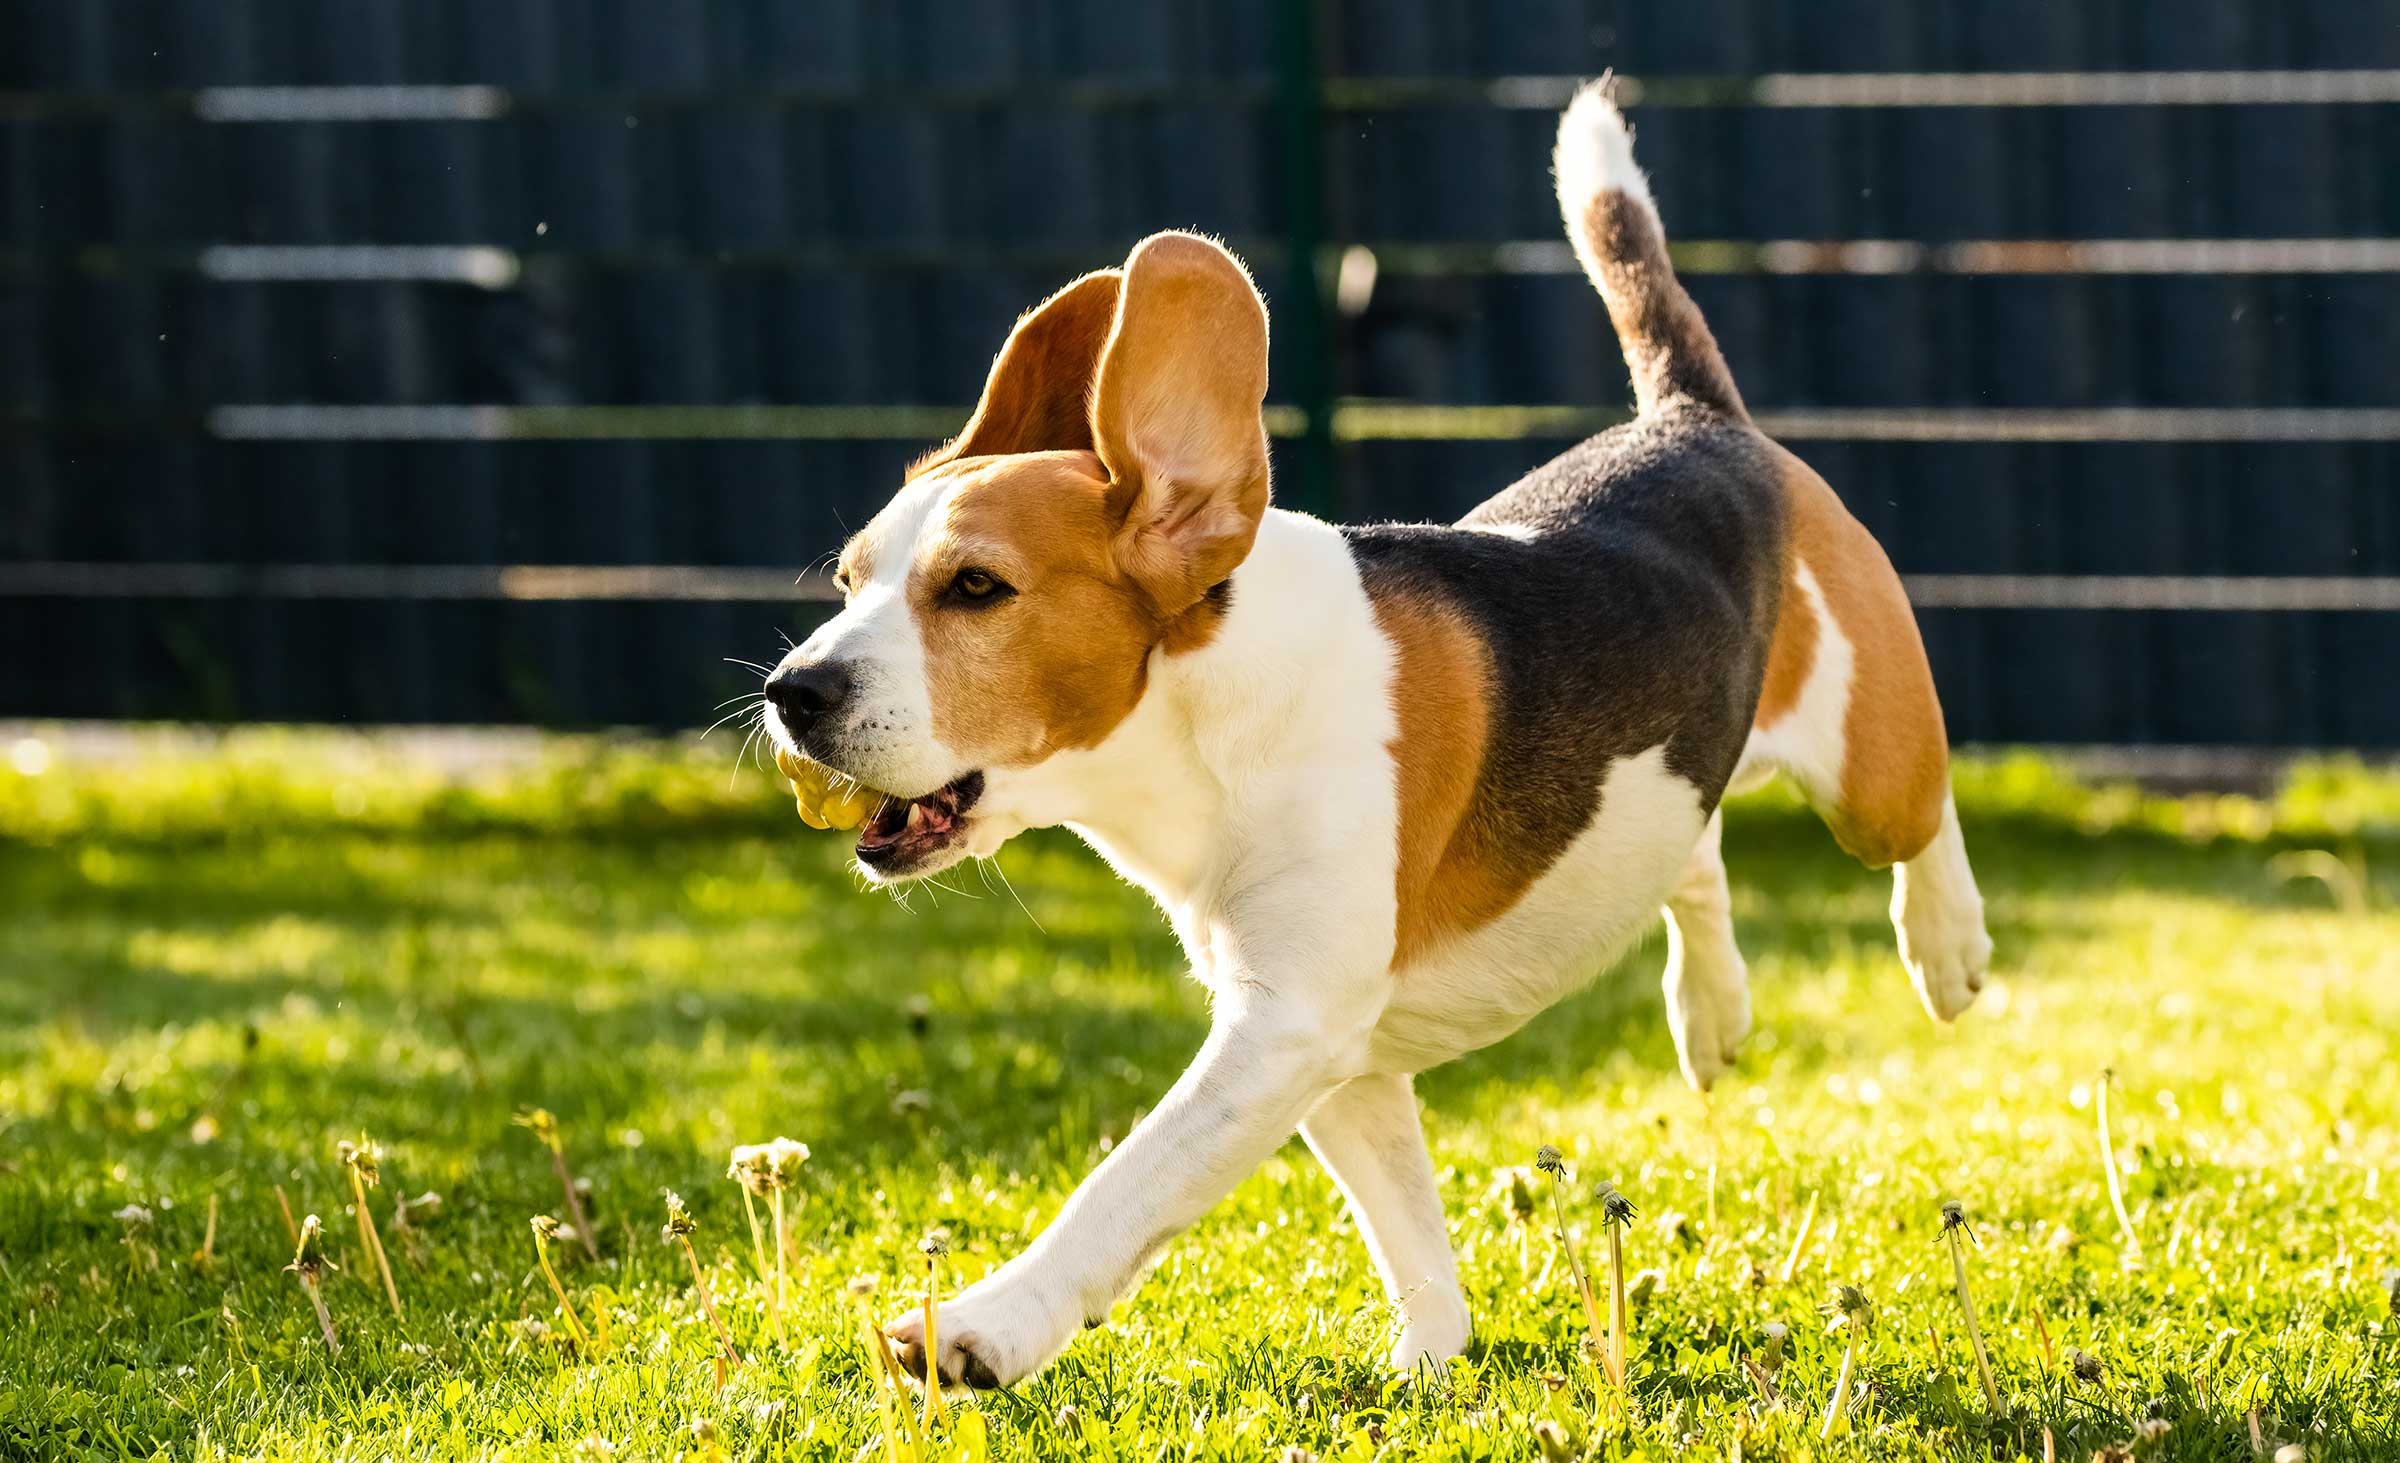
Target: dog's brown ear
<point>1175,418</point>
<point>1038,396</point>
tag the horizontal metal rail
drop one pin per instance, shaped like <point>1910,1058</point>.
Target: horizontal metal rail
<point>493,266</point>
<point>1341,94</point>
<point>536,582</point>
<point>1353,422</point>
<point>695,583</point>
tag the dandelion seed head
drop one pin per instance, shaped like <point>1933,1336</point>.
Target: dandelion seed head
<point>765,1168</point>
<point>134,1216</point>
<point>1954,1215</point>
<point>936,1242</point>
<point>546,1229</point>
<point>361,1158</point>
<point>1850,1307</point>
<point>679,1220</point>
<point>1615,1208</point>
<point>1550,1161</point>
<point>2086,1366</point>
<point>308,1257</point>
<point>862,1287</point>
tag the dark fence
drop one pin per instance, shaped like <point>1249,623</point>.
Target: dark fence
<point>484,360</point>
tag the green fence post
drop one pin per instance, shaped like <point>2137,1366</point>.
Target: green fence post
<point>1310,486</point>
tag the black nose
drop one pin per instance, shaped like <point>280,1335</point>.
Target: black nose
<point>805,694</point>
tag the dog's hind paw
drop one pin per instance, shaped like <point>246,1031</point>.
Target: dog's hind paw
<point>1708,1009</point>
<point>1945,948</point>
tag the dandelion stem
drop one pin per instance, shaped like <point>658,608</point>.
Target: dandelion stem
<point>333,1343</point>
<point>284,1206</point>
<point>1616,1307</point>
<point>777,1307</point>
<point>566,1307</point>
<point>1616,1215</point>
<point>934,1403</point>
<point>1583,1284</point>
<point>566,1184</point>
<point>758,1246</point>
<point>2108,1161</point>
<point>887,1382</point>
<point>708,1303</point>
<point>1966,1306</point>
<point>1841,1389</point>
<point>1808,1220</point>
<point>368,1238</point>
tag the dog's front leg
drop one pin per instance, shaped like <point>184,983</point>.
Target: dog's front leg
<point>1270,1055</point>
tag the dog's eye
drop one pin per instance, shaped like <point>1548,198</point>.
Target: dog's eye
<point>977,584</point>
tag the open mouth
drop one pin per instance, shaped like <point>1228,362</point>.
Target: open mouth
<point>903,833</point>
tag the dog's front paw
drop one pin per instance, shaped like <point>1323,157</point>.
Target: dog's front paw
<point>1436,1329</point>
<point>1708,1009</point>
<point>989,1337</point>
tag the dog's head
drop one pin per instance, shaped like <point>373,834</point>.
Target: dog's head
<point>1005,605</point>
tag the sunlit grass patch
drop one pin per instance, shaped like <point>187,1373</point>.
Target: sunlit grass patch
<point>218,967</point>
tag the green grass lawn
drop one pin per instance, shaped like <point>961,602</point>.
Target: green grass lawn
<point>218,963</point>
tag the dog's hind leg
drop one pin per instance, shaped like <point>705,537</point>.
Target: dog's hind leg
<point>1367,1134</point>
<point>1849,712</point>
<point>1707,984</point>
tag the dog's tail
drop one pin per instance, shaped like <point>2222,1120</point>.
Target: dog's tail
<point>1605,201</point>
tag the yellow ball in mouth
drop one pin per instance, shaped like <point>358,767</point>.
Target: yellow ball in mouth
<point>826,798</point>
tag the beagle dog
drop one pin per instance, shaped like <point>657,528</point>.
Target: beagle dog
<point>1398,787</point>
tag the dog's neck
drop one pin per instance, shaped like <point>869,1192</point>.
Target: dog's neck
<point>1185,797</point>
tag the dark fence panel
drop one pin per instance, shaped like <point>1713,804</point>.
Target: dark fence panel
<point>2045,317</point>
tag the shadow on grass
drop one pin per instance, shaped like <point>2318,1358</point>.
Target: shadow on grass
<point>468,977</point>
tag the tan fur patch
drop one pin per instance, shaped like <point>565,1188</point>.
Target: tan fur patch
<point>1455,872</point>
<point>1176,417</point>
<point>1057,664</point>
<point>1112,478</point>
<point>1895,750</point>
<point>1792,655</point>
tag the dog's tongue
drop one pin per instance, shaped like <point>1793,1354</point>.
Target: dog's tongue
<point>895,819</point>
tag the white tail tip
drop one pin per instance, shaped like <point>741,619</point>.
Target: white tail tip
<point>1595,152</point>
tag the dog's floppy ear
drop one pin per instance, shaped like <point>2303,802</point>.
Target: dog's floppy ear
<point>1038,396</point>
<point>1175,418</point>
